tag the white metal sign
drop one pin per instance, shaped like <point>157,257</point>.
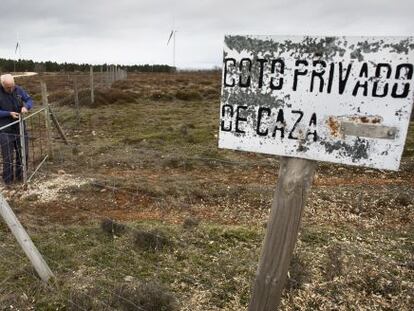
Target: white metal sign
<point>338,99</point>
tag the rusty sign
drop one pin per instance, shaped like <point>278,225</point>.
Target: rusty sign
<point>338,99</point>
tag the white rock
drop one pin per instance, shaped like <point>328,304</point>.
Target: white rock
<point>128,278</point>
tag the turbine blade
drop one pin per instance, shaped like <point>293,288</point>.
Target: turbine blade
<point>171,34</point>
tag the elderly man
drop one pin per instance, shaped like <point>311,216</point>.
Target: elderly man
<point>14,101</point>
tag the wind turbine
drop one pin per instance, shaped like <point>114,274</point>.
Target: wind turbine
<point>17,49</point>
<point>172,35</point>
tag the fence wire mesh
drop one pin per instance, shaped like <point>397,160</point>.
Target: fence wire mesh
<point>24,146</point>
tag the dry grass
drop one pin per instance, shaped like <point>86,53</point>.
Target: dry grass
<point>158,159</point>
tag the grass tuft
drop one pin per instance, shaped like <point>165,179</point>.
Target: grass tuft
<point>154,240</point>
<point>113,228</point>
<point>190,223</point>
<point>151,296</point>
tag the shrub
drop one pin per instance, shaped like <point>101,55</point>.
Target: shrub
<point>153,240</point>
<point>188,95</point>
<point>298,274</point>
<point>111,227</point>
<point>161,96</point>
<point>334,263</point>
<point>190,223</point>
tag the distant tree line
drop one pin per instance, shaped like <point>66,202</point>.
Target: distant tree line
<point>22,65</point>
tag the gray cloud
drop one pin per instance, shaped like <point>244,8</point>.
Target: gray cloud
<point>127,31</point>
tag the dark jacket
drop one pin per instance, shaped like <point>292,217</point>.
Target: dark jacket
<point>12,102</point>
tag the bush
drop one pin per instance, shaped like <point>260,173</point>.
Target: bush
<point>153,240</point>
<point>161,96</point>
<point>190,223</point>
<point>111,227</point>
<point>403,199</point>
<point>188,95</point>
<point>334,263</point>
<point>298,274</point>
<point>103,97</point>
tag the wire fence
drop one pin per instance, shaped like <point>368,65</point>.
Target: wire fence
<point>118,270</point>
<point>27,143</point>
<point>24,146</point>
<point>45,138</point>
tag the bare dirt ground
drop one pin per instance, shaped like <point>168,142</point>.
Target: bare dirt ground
<point>145,155</point>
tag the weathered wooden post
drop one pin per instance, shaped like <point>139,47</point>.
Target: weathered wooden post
<point>76,97</point>
<point>312,98</point>
<point>58,127</point>
<point>50,115</point>
<point>295,179</point>
<point>108,76</point>
<point>102,77</point>
<point>92,86</point>
<point>24,241</point>
<point>45,103</point>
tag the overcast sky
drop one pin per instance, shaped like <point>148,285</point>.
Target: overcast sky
<point>136,31</point>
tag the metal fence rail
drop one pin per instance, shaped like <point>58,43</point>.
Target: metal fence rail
<point>24,146</point>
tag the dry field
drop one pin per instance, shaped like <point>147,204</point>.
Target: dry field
<point>143,212</point>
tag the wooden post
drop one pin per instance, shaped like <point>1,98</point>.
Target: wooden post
<point>295,178</point>
<point>107,76</point>
<point>59,128</point>
<point>24,240</point>
<point>76,96</point>
<point>45,103</point>
<point>92,86</point>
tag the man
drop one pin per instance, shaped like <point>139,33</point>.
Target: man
<point>14,101</point>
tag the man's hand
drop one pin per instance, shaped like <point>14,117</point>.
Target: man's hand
<point>14,115</point>
<point>24,110</point>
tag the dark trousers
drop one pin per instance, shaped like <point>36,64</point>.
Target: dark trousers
<point>12,157</point>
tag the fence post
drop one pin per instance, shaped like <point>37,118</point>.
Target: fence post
<point>295,178</point>
<point>24,240</point>
<point>113,74</point>
<point>45,103</point>
<point>108,76</point>
<point>92,86</point>
<point>76,96</point>
<point>23,150</point>
<point>59,128</point>
<point>50,114</point>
